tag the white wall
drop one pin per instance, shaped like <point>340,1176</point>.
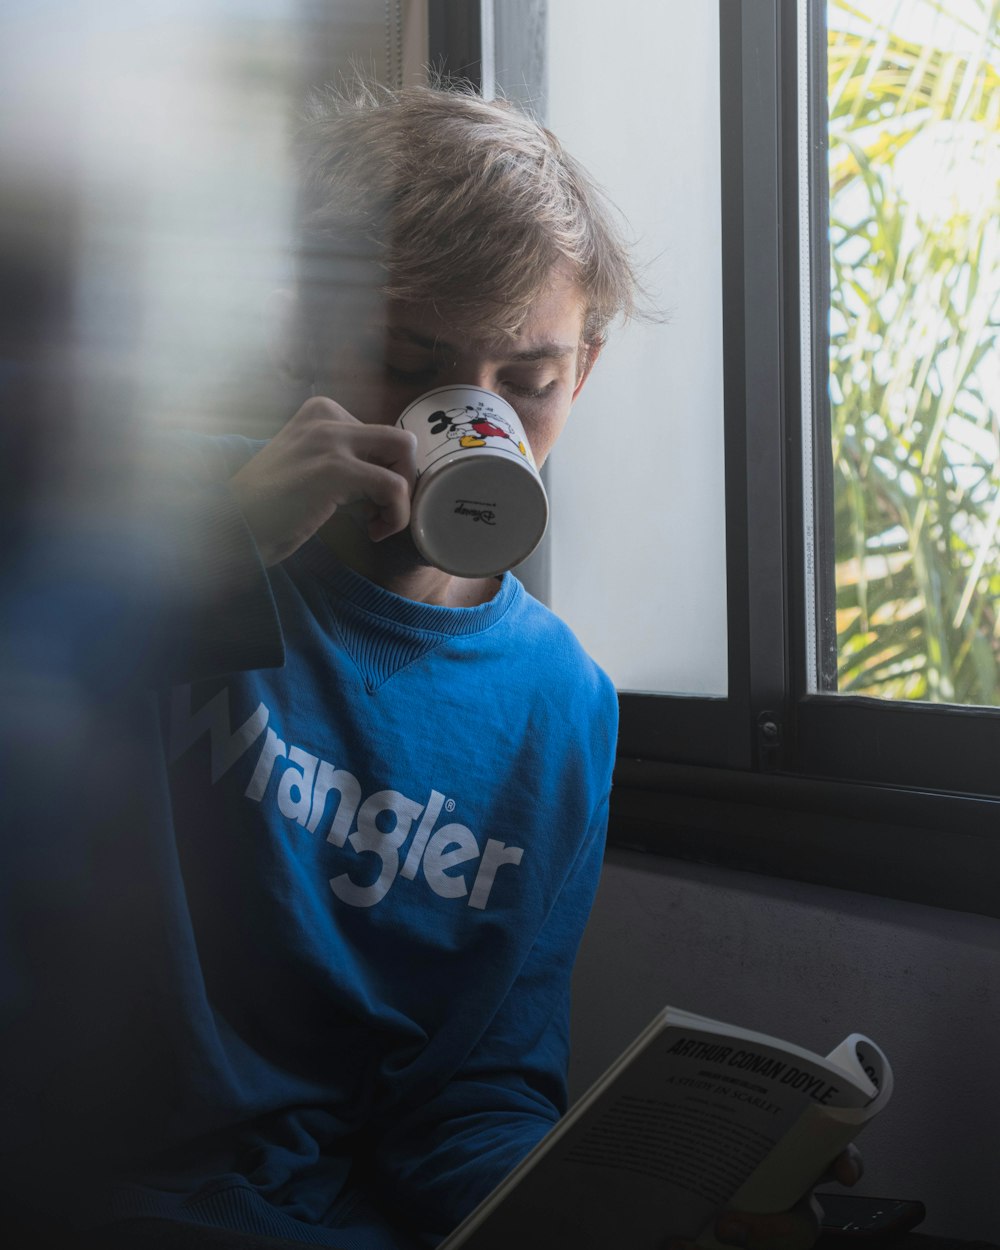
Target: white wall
<point>813,965</point>
<point>637,479</point>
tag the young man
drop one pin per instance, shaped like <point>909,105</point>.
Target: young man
<point>390,844</point>
<point>388,786</point>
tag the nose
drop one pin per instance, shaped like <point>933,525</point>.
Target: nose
<point>468,371</point>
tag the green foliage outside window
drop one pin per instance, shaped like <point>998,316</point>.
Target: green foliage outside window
<point>914,99</point>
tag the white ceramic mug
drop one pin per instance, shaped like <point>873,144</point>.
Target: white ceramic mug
<point>479,506</point>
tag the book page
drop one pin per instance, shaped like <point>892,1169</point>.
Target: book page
<point>862,1059</point>
<point>672,1132</point>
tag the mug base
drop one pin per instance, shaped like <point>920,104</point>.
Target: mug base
<point>478,516</point>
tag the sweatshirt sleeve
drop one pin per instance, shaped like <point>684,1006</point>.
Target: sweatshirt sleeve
<point>441,1158</point>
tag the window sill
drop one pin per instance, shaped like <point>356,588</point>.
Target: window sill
<point>927,847</point>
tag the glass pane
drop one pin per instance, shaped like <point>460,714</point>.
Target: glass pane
<point>913,95</point>
<point>637,481</point>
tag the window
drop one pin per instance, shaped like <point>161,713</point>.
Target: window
<point>901,293</point>
<point>797,765</point>
<point>913,171</point>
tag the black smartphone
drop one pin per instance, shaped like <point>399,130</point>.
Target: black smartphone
<point>857,1217</point>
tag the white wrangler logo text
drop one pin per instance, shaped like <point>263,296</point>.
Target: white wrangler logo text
<point>325,799</point>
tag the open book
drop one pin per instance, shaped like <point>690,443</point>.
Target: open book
<point>693,1118</point>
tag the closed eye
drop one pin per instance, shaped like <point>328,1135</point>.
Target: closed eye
<point>530,392</point>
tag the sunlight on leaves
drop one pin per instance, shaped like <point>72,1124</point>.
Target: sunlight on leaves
<point>914,176</point>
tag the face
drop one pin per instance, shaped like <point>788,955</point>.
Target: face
<point>388,357</point>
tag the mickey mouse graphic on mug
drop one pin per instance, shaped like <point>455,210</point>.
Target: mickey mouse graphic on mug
<point>472,427</point>
<point>474,464</point>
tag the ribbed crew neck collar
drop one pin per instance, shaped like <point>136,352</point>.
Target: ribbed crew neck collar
<point>316,559</point>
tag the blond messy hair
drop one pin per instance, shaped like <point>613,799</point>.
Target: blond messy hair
<point>463,202</point>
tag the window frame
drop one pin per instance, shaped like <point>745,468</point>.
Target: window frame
<point>877,797</point>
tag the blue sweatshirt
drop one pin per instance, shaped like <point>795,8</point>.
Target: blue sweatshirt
<point>383,856</point>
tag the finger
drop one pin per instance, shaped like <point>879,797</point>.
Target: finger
<point>848,1167</point>
<point>385,496</point>
<point>322,459</point>
<point>386,472</point>
<point>389,446</point>
<point>322,429</point>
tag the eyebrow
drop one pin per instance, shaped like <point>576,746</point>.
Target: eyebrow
<point>549,350</point>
